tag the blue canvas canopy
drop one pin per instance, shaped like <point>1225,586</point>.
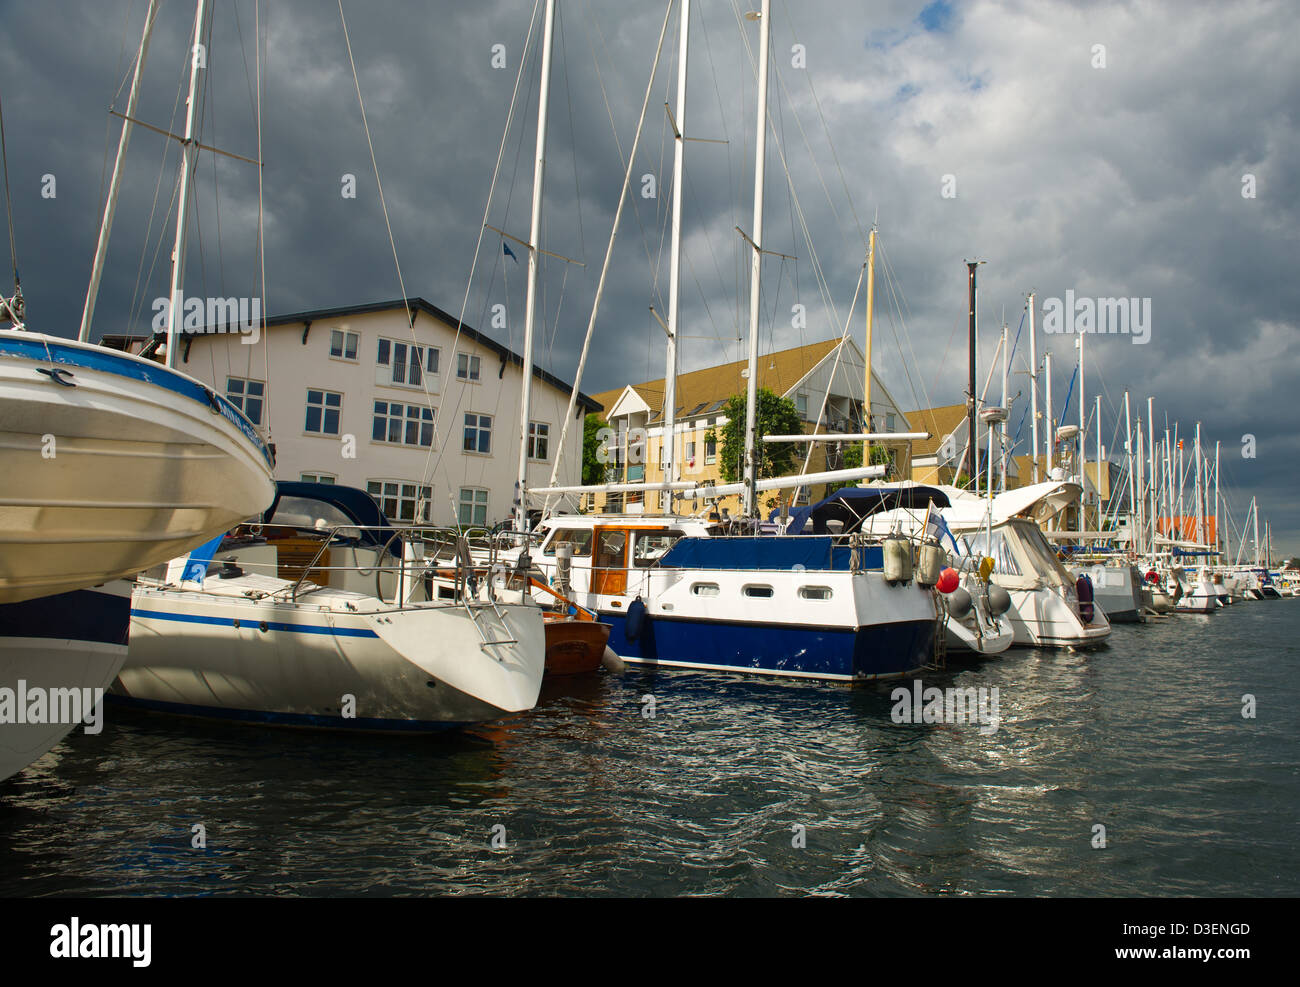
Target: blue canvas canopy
<point>852,504</point>
<point>812,552</point>
<point>356,504</point>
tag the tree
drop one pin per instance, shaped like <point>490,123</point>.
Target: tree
<point>776,416</point>
<point>593,470</point>
<point>851,459</point>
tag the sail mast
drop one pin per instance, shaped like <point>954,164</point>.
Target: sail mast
<point>1033,388</point>
<point>871,310</point>
<point>750,504</point>
<point>110,207</point>
<point>189,156</point>
<point>530,307</point>
<point>674,276</point>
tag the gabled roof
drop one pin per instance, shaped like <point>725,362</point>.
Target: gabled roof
<point>702,393</point>
<point>417,305</point>
<point>940,423</point>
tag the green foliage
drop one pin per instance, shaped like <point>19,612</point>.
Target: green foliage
<point>851,459</point>
<point>776,416</point>
<point>593,470</point>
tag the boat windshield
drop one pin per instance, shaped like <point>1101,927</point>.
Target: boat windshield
<point>305,512</point>
<point>1035,545</point>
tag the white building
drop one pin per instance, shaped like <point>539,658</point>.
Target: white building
<point>425,420</point>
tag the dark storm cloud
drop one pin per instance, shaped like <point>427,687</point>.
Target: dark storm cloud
<point>1117,181</point>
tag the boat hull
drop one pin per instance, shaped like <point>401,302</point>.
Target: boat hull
<point>73,640</point>
<point>414,669</point>
<point>575,647</point>
<point>134,465</point>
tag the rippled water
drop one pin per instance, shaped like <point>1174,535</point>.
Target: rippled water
<point>1145,737</point>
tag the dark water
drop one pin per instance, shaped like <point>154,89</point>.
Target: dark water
<point>1145,737</point>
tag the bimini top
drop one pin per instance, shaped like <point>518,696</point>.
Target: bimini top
<point>852,505</point>
<point>356,507</point>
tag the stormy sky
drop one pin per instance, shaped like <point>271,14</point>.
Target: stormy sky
<point>1134,150</point>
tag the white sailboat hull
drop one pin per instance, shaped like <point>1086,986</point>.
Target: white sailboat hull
<point>341,662</point>
<point>133,466</point>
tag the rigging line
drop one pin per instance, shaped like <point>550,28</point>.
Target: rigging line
<point>609,113</point>
<point>9,206</point>
<point>826,128</point>
<point>137,299</point>
<point>900,304</point>
<point>609,249</point>
<point>374,164</point>
<point>258,55</point>
<point>429,461</point>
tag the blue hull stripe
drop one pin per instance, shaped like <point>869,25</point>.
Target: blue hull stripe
<point>82,615</point>
<point>271,625</point>
<point>361,723</point>
<point>880,650</point>
<point>106,361</point>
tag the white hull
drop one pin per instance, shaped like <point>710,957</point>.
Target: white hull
<point>417,668</point>
<point>37,661</point>
<point>1042,618</point>
<point>133,466</point>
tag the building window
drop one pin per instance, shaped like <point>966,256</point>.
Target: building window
<point>318,478</point>
<point>467,367</point>
<point>403,424</point>
<point>406,364</point>
<point>343,344</point>
<point>473,506</point>
<point>801,405</point>
<point>690,454</point>
<point>246,395</point>
<point>478,433</point>
<point>401,500</point>
<point>710,451</point>
<point>539,441</point>
<point>889,423</point>
<point>323,408</point>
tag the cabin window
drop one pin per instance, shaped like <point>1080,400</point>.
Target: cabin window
<point>758,591</point>
<point>579,538</point>
<point>343,344</point>
<point>247,396</point>
<point>815,592</point>
<point>323,410</point>
<point>609,549</point>
<point>651,545</point>
<point>704,589</point>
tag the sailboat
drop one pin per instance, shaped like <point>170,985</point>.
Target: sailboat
<point>320,615</point>
<point>678,595</point>
<point>110,463</point>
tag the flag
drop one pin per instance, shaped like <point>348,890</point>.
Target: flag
<point>196,566</point>
<point>936,528</point>
<point>509,253</point>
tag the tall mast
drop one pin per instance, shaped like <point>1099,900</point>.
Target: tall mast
<point>1049,440</point>
<point>1216,495</point>
<point>110,207</point>
<point>1083,440</point>
<point>871,310</point>
<point>1151,452</point>
<point>1200,503</point>
<point>534,237</point>
<point>674,276</point>
<point>1137,523</point>
<point>1002,426</point>
<point>1132,471</point>
<point>756,265</point>
<point>1100,455</point>
<point>1254,512</point>
<point>972,444</point>
<point>189,155</point>
<point>1033,389</point>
